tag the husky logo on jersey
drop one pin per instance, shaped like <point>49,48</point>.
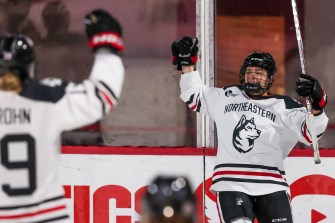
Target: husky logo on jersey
<point>245,134</point>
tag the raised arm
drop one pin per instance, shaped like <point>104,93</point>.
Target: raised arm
<point>89,101</point>
<point>194,93</point>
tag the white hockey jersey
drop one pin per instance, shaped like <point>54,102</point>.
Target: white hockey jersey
<point>30,128</point>
<point>254,135</point>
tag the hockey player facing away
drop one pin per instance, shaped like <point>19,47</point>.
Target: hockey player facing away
<point>33,115</point>
<point>169,199</point>
<point>256,130</point>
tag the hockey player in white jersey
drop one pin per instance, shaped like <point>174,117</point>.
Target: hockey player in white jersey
<point>256,130</point>
<point>34,113</point>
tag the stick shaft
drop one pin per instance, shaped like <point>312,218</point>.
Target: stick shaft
<point>310,116</point>
<point>299,38</point>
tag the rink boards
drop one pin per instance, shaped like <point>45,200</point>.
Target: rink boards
<point>105,184</point>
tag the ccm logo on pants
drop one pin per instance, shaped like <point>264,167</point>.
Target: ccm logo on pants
<point>279,220</point>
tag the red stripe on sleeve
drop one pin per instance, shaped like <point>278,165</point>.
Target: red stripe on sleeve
<point>108,99</point>
<point>196,104</point>
<point>305,134</point>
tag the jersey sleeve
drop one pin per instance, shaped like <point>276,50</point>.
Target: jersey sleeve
<point>320,122</point>
<point>197,96</point>
<point>298,122</point>
<point>89,101</point>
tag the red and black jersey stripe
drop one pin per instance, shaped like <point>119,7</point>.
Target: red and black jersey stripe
<point>46,211</point>
<point>249,173</point>
<point>194,106</point>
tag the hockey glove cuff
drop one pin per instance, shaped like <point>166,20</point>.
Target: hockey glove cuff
<point>103,30</point>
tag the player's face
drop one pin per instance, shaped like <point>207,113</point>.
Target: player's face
<point>256,75</point>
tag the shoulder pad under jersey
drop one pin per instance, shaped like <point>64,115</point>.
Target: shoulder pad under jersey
<point>48,90</point>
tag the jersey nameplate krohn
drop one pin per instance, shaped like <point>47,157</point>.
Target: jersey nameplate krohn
<point>9,116</point>
<point>250,107</point>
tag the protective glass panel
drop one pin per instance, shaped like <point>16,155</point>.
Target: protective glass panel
<point>244,26</point>
<point>150,111</point>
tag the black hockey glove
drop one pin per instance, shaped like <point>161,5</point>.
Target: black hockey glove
<point>103,30</point>
<point>307,86</point>
<point>184,52</point>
